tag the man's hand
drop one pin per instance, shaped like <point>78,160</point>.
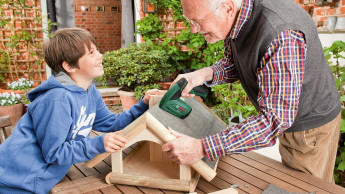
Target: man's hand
<point>114,142</point>
<point>194,79</point>
<point>148,94</point>
<point>184,149</point>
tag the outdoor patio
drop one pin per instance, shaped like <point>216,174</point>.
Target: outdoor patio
<point>248,173</point>
<point>146,45</point>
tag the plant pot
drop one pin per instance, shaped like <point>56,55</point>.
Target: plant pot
<point>15,111</point>
<point>127,99</point>
<point>165,85</point>
<point>4,89</point>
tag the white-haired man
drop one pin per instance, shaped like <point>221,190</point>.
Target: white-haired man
<point>272,48</point>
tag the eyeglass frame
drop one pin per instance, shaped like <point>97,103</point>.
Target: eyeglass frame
<point>196,24</point>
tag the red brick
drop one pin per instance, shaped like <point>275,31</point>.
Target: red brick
<point>330,11</point>
<point>342,10</point>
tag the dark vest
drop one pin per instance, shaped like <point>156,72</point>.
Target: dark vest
<point>319,99</point>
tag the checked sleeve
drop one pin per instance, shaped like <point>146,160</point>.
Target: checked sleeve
<point>280,81</point>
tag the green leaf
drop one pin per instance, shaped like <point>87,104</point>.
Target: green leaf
<point>342,98</point>
<point>342,126</point>
<point>341,166</point>
<point>342,156</point>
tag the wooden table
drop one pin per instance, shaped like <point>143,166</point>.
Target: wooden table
<point>251,171</point>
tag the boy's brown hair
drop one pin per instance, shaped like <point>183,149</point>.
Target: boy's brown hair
<point>67,44</point>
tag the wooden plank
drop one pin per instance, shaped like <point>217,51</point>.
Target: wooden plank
<point>107,160</point>
<point>64,179</point>
<point>161,131</point>
<point>156,153</point>
<point>85,170</point>
<point>239,174</point>
<point>102,167</point>
<point>128,150</point>
<point>222,184</point>
<point>206,186</point>
<point>128,189</point>
<point>172,192</point>
<point>150,190</point>
<point>229,177</point>
<point>110,190</point>
<point>94,192</point>
<point>82,184</point>
<point>194,181</point>
<point>185,172</point>
<point>74,173</point>
<point>93,186</point>
<point>116,162</point>
<point>263,175</point>
<point>278,174</point>
<point>198,191</point>
<point>161,183</point>
<point>330,187</point>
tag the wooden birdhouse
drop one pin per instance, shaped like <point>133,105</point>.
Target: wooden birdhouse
<point>147,165</point>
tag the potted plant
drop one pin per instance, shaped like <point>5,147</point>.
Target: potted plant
<point>18,87</point>
<point>10,104</point>
<point>136,68</point>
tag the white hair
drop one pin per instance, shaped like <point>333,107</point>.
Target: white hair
<point>215,3</point>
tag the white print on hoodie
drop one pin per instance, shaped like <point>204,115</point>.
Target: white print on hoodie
<point>84,120</point>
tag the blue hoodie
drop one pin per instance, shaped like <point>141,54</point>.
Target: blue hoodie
<point>54,134</point>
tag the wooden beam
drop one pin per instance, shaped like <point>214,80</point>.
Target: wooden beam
<point>194,182</point>
<point>185,172</point>
<point>132,130</point>
<point>116,162</point>
<point>161,183</point>
<point>154,99</point>
<point>156,127</point>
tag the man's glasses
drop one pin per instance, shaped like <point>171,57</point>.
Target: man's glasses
<point>196,24</point>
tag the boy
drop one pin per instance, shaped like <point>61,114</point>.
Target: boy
<point>54,133</point>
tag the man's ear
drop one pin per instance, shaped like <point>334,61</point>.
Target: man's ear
<point>68,68</point>
<point>230,9</point>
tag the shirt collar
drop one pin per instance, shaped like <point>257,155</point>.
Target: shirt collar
<point>243,17</point>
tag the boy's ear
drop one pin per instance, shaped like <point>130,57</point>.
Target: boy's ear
<point>68,68</point>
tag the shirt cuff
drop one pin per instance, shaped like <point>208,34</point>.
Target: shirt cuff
<point>218,74</point>
<point>141,103</point>
<point>214,146</point>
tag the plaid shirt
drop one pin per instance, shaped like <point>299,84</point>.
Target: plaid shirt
<point>280,78</point>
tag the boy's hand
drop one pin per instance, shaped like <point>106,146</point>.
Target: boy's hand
<point>114,142</point>
<point>148,94</point>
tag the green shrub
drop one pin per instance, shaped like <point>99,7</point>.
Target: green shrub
<point>199,54</point>
<point>232,96</point>
<point>138,67</point>
<point>332,54</point>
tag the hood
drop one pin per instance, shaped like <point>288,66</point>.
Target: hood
<point>60,80</point>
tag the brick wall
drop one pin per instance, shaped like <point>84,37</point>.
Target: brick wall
<point>25,60</point>
<point>104,25</point>
<point>112,100</point>
<point>320,13</point>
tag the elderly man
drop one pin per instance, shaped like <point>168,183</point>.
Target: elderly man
<point>272,48</point>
